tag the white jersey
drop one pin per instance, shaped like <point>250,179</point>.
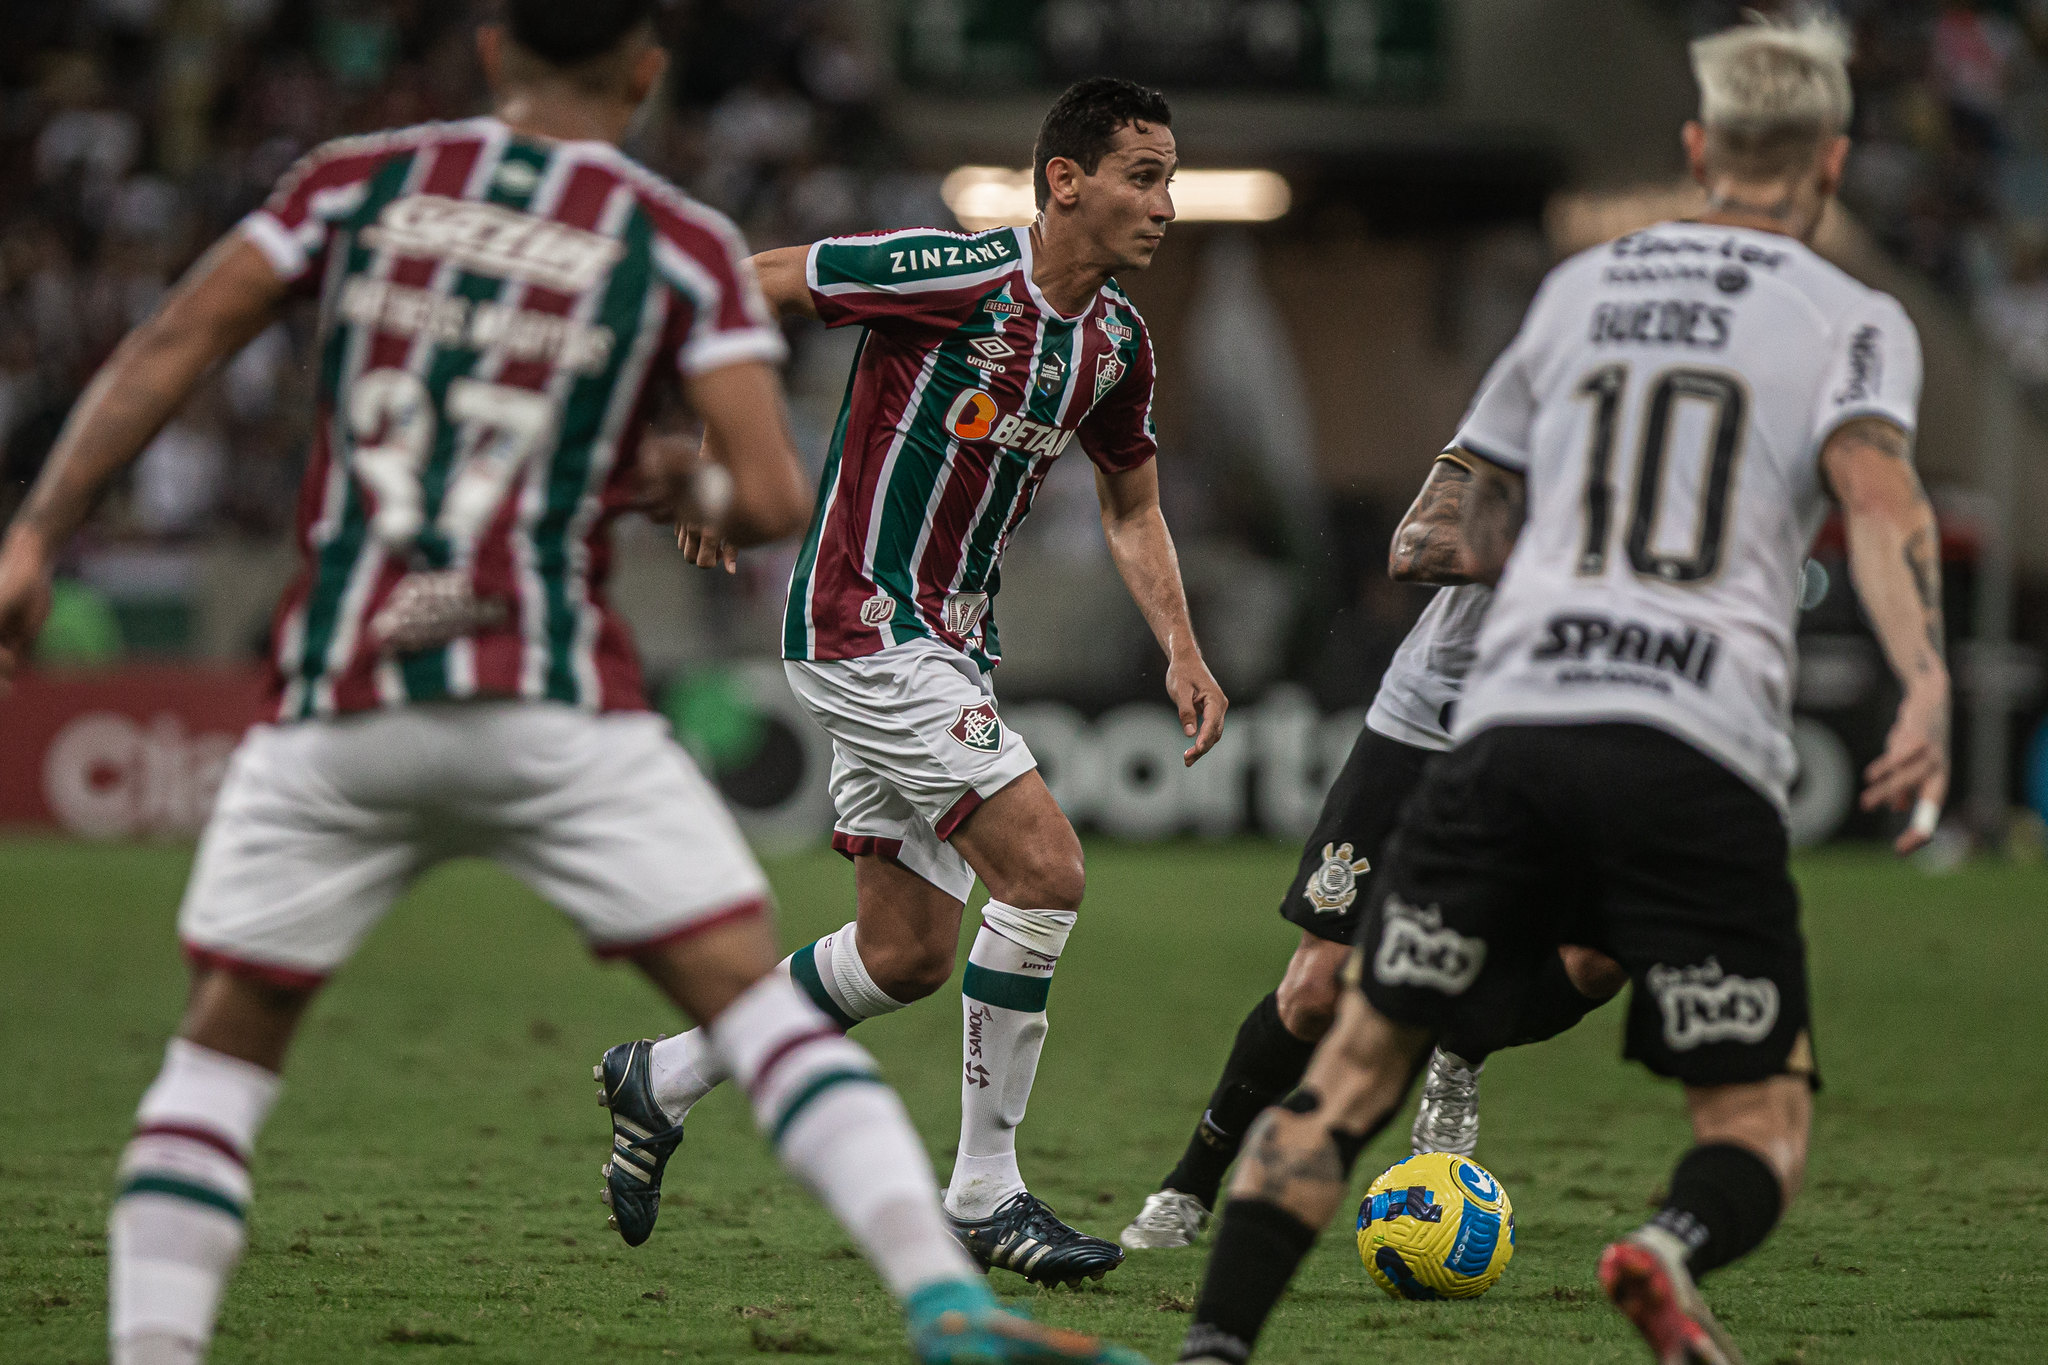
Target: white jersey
<point>1418,695</point>
<point>1668,397</point>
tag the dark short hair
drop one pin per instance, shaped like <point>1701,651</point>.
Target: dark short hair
<point>1082,124</point>
<point>570,32</point>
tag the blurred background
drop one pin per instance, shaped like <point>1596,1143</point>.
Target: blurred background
<point>1319,324</point>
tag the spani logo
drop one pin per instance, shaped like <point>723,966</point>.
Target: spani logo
<point>972,416</point>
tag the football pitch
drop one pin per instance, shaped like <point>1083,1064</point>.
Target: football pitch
<point>427,1187</point>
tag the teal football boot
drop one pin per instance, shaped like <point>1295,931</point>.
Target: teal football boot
<point>959,1322</point>
<point>643,1139</point>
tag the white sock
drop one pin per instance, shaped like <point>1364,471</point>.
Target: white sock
<point>176,1229</point>
<point>684,1069</point>
<point>1009,972</point>
<point>841,1130</point>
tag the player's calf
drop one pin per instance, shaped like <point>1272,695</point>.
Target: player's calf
<point>176,1229</point>
<point>1293,1173</point>
<point>1726,1195</point>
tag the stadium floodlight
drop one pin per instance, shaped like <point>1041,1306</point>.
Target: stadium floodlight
<point>983,197</point>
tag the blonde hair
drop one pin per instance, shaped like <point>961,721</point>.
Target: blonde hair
<point>1771,90</point>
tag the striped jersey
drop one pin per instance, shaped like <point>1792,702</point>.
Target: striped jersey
<point>497,315</point>
<point>967,386</point>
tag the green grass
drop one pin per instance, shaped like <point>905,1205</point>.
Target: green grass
<point>427,1187</point>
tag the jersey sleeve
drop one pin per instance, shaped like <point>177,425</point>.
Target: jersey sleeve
<point>905,281</point>
<point>1875,371</point>
<point>294,225</point>
<point>723,319</point>
<point>1497,427</point>
<point>1117,432</point>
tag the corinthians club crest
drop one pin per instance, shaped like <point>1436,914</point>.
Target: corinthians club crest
<point>1335,886</point>
<point>978,728</point>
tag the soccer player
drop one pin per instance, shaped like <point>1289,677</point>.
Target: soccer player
<point>1675,414</point>
<point>1406,727</point>
<point>502,302</point>
<point>984,356</point>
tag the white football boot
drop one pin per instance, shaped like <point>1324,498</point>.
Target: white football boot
<point>1447,1120</point>
<point>1169,1219</point>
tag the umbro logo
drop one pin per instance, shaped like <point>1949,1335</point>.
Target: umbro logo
<point>994,347</point>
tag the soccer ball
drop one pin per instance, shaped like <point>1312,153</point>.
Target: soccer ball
<point>1436,1226</point>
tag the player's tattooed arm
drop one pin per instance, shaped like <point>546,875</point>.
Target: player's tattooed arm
<point>1895,562</point>
<point>1493,518</point>
<point>1461,525</point>
<point>1429,544</point>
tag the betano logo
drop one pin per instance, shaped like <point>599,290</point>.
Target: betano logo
<point>975,417</point>
<point>972,416</point>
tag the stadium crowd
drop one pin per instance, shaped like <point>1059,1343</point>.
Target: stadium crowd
<point>134,131</point>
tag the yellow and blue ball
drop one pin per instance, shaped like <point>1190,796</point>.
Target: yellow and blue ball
<point>1436,1226</point>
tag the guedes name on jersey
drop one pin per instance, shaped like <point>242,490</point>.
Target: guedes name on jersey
<point>1673,322</point>
<point>1689,655</point>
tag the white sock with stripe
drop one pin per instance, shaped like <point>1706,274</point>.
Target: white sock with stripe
<point>176,1229</point>
<point>684,1069</point>
<point>840,1129</point>
<point>1009,973</point>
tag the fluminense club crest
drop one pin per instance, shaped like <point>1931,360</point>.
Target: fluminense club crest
<point>978,728</point>
<point>1335,885</point>
<point>1110,369</point>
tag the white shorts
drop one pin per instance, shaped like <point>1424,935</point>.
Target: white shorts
<point>916,746</point>
<point>322,824</point>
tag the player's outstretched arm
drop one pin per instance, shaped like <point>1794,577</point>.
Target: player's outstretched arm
<point>1895,562</point>
<point>1432,544</point>
<point>784,282</point>
<point>746,486</point>
<point>230,295</point>
<point>1143,550</point>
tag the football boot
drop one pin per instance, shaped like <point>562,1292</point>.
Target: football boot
<point>1026,1236</point>
<point>1447,1120</point>
<point>643,1139</point>
<point>1646,1278</point>
<point>958,1322</point>
<point>1169,1219</point>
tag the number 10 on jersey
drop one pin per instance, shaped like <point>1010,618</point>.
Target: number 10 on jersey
<point>1727,403</point>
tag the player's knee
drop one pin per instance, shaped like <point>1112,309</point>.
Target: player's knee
<point>1053,881</point>
<point>909,969</point>
<point>1308,1004</point>
<point>1593,974</point>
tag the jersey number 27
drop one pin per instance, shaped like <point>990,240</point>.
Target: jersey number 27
<point>392,422</point>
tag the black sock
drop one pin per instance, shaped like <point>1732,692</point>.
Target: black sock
<point>1257,1251</point>
<point>1265,1063</point>
<point>1552,1005</point>
<point>1724,1201</point>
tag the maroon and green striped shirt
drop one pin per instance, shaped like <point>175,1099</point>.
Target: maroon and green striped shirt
<point>967,387</point>
<point>495,313</point>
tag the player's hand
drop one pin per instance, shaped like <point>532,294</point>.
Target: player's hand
<point>1199,701</point>
<point>677,483</point>
<point>24,599</point>
<point>702,547</point>
<point>1913,769</point>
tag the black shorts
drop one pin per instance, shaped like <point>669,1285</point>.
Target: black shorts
<point>1327,896</point>
<point>1622,838</point>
